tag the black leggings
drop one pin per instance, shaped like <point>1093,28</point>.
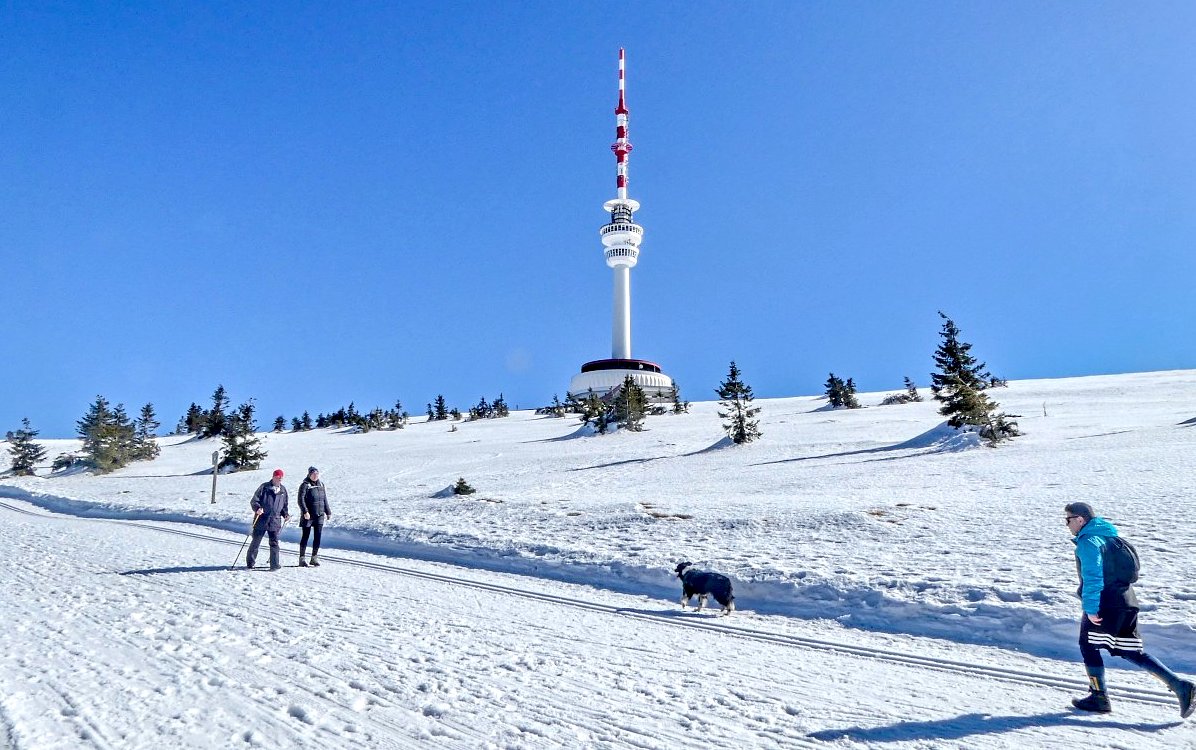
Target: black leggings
<point>315,542</point>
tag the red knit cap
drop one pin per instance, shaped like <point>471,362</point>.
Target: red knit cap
<point>278,472</point>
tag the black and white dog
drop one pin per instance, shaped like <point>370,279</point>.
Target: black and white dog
<point>704,584</point>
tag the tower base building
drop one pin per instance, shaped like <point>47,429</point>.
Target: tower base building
<point>604,375</point>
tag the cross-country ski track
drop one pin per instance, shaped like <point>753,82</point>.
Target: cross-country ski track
<point>137,634</point>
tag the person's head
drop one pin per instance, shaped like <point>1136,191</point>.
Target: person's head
<point>313,473</point>
<point>1076,515</point>
<point>276,479</point>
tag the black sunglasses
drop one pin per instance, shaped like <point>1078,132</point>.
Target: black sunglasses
<point>1068,519</point>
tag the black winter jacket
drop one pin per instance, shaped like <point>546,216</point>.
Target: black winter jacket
<point>313,499</point>
<point>274,506</point>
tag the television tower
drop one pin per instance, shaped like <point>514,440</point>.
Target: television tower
<point>621,239</point>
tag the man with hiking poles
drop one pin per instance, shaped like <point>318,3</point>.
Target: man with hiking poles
<point>270,509</point>
<point>1108,568</point>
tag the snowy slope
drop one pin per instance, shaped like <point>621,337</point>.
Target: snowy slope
<point>866,522</point>
<point>129,637</point>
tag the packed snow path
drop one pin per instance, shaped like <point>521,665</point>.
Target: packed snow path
<point>122,636</point>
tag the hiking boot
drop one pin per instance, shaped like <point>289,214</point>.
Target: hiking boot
<point>302,563</point>
<point>1186,691</point>
<point>1097,703</point>
<point>314,562</point>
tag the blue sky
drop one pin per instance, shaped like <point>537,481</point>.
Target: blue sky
<point>315,204</point>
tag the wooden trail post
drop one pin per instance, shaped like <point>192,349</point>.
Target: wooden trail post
<point>215,471</point>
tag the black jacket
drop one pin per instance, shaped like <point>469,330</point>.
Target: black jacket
<point>274,506</point>
<point>313,499</point>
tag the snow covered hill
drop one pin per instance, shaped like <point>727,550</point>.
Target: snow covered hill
<point>869,525</point>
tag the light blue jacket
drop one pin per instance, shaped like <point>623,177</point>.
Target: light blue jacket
<point>1090,561</point>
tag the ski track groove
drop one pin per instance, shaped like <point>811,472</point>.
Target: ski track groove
<point>1142,695</point>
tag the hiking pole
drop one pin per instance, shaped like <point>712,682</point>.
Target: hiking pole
<point>251,528</point>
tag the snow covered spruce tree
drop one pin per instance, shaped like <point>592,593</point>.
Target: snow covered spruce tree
<point>959,385</point>
<point>242,449</point>
<point>25,453</point>
<point>145,448</point>
<point>736,398</point>
<point>107,436</point>
<point>630,404</point>
<point>441,409</point>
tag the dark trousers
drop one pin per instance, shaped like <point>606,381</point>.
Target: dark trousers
<point>258,533</point>
<point>315,539</point>
<point>1118,633</point>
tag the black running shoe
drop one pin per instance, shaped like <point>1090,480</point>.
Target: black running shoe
<point>1097,703</point>
<point>1186,692</point>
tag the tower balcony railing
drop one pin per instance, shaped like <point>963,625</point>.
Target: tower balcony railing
<point>622,226</point>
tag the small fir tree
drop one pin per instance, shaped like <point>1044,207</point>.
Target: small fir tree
<point>145,447</point>
<point>305,422</point>
<point>441,409</point>
<point>25,453</point>
<point>107,436</point>
<point>242,449</point>
<point>911,390</point>
<point>955,363</point>
<point>679,406</point>
<point>959,385</point>
<point>214,418</point>
<point>280,423</point>
<point>835,388</point>
<point>462,487</point>
<point>849,399</point>
<point>629,405</point>
<point>296,425</point>
<point>736,399</point>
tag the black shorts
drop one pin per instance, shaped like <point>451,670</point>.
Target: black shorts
<point>1118,632</point>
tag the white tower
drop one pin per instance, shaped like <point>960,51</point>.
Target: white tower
<point>621,240</point>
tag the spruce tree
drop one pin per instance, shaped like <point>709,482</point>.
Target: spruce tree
<point>296,424</point>
<point>242,449</point>
<point>834,391</point>
<point>500,407</point>
<point>145,447</point>
<point>280,423</point>
<point>441,409</point>
<point>192,422</point>
<point>955,363</point>
<point>959,385</point>
<point>431,414</point>
<point>736,398</point>
<point>679,406</point>
<point>630,403</point>
<point>107,436</point>
<point>305,423</point>
<point>462,487</point>
<point>911,390</point>
<point>849,399</point>
<point>25,453</point>
<point>215,417</point>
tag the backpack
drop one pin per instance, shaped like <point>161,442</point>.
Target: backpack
<point>1120,562</point>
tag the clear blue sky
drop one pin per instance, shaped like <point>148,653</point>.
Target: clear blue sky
<point>322,203</point>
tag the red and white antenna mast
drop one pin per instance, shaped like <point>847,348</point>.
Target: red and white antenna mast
<point>621,146</point>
